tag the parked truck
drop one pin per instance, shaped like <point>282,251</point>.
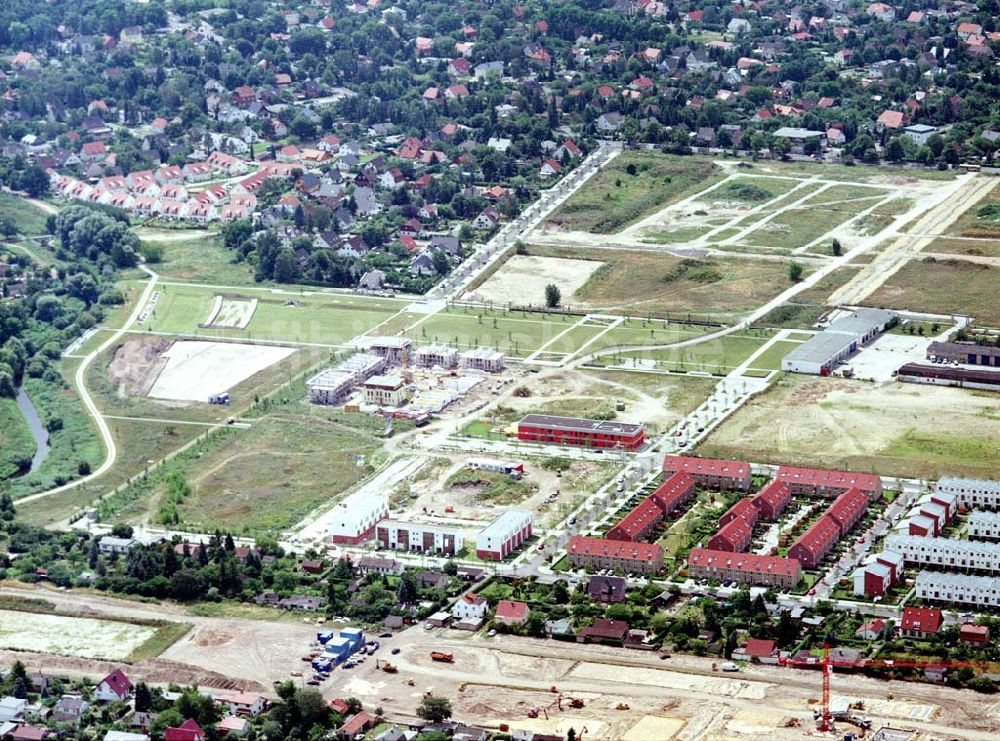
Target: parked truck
<point>442,656</point>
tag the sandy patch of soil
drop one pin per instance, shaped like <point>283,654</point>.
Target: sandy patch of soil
<point>523,278</point>
<point>136,365</point>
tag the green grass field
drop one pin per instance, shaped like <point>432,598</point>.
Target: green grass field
<point>972,247</point>
<point>796,227</point>
<point>750,189</point>
<point>981,219</point>
<point>199,258</point>
<point>320,318</point>
<point>770,359</point>
<point>16,443</point>
<point>614,198</point>
<point>29,219</point>
<point>717,356</point>
<point>943,287</point>
<point>855,173</point>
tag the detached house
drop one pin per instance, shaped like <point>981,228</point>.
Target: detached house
<point>115,687</point>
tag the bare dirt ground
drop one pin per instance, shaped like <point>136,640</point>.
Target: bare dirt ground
<point>523,278</point>
<point>499,680</point>
<point>218,652</point>
<point>136,365</point>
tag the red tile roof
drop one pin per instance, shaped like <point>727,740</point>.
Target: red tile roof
<point>926,619</point>
<point>706,466</point>
<point>515,611</point>
<point>672,492</point>
<point>733,536</point>
<point>867,482</point>
<point>759,647</point>
<point>746,562</point>
<point>637,522</point>
<point>118,683</point>
<point>818,539</point>
<point>846,507</point>
<point>584,545</point>
<point>744,509</point>
<point>775,495</point>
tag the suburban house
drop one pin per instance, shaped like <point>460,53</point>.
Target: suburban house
<point>470,606</point>
<point>919,622</point>
<point>115,687</point>
<point>511,613</point>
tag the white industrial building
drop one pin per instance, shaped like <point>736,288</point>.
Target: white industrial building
<point>354,519</point>
<point>946,553</point>
<point>442,356</point>
<point>502,536</point>
<point>983,525</point>
<point>937,586</point>
<point>820,354</point>
<point>972,493</point>
<point>484,359</point>
<point>331,385</point>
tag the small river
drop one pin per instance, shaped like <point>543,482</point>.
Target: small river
<point>38,430</point>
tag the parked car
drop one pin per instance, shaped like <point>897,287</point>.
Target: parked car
<point>395,651</point>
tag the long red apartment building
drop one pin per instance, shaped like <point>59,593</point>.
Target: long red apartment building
<point>815,481</point>
<point>583,433</point>
<point>815,544</point>
<point>709,472</point>
<point>772,500</point>
<point>651,511</point>
<point>745,568</point>
<point>600,553</point>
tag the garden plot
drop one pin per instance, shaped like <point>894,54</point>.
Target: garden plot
<point>522,279</point>
<point>70,636</point>
<point>231,312</point>
<point>195,369</point>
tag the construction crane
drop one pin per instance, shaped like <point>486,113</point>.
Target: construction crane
<point>827,665</point>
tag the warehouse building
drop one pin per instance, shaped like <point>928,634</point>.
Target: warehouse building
<point>946,553</point>
<point>825,350</point>
<point>983,525</point>
<point>971,493</point>
<point>709,472</point>
<point>331,385</point>
<point>386,391</point>
<point>441,356</point>
<point>629,558</point>
<point>819,482</point>
<point>484,359</point>
<point>586,433</point>
<point>772,500</point>
<point>353,520</point>
<point>504,535</point>
<point>419,538</point>
<point>395,350</point>
<point>967,353</point>
<point>946,375</point>
<point>744,568</point>
<point>965,589</point>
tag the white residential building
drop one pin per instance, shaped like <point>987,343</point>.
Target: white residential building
<point>12,708</point>
<point>983,525</point>
<point>937,586</point>
<point>440,355</point>
<point>470,607</point>
<point>419,537</point>
<point>483,358</point>
<point>111,544</point>
<point>972,493</point>
<point>503,535</point>
<point>385,391</point>
<point>331,385</point>
<point>354,519</point>
<point>945,553</point>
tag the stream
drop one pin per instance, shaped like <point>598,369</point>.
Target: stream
<point>38,430</point>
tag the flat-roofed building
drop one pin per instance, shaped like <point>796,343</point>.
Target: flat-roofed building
<point>353,520</point>
<point>416,537</point>
<point>946,553</point>
<point>710,472</point>
<point>504,535</point>
<point>386,391</point>
<point>332,385</point>
<point>922,525</point>
<point>820,354</point>
<point>441,356</point>
<point>983,525</point>
<point>744,568</point>
<point>586,433</point>
<point>971,493</point>
<point>395,350</point>
<point>966,353</point>
<point>964,589</point>
<point>627,557</point>
<point>983,379</point>
<point>484,359</point>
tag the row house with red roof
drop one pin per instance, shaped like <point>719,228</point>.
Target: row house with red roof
<point>710,473</point>
<point>820,482</point>
<point>625,556</point>
<point>744,568</point>
<point>820,538</point>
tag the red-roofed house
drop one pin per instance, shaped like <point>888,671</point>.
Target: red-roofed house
<point>772,500</point>
<point>848,509</point>
<point>599,553</point>
<point>919,622</point>
<point>189,730</point>
<point>603,630</point>
<point>871,630</point>
<point>26,732</point>
<point>892,119</point>
<point>814,544</point>
<point>339,705</point>
<point>760,649</point>
<point>744,509</point>
<point>745,568</point>
<point>93,152</point>
<point>977,635</point>
<point>511,613</point>
<point>673,492</point>
<point>711,473</point>
<point>113,688</point>
<point>356,724</point>
<point>814,481</point>
<point>639,523</point>
<point>549,168</point>
<point>734,536</point>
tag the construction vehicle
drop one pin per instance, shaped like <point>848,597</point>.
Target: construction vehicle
<point>824,719</point>
<point>387,666</point>
<point>622,706</point>
<point>442,656</point>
